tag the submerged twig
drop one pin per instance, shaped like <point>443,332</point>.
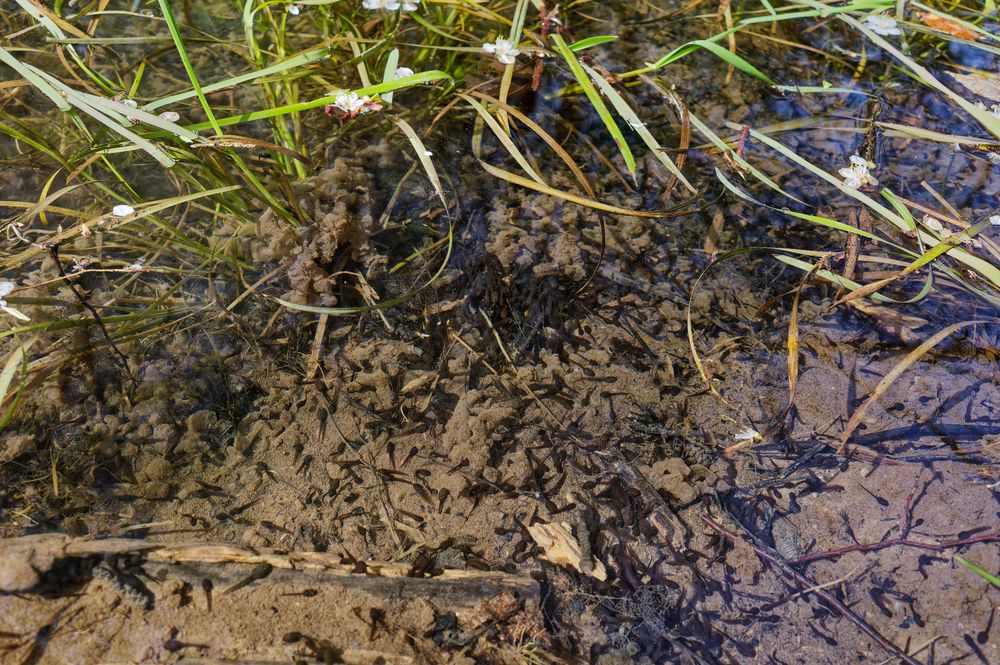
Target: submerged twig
<point>122,359</point>
<point>902,540</point>
<point>827,597</point>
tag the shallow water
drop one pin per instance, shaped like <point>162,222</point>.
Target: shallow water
<point>503,396</point>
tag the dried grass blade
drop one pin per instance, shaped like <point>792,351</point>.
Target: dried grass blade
<point>515,179</point>
<point>424,156</point>
<point>17,360</point>
<point>503,137</point>
<point>890,378</point>
<point>545,136</point>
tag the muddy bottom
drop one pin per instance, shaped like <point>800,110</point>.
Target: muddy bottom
<point>521,462</point>
<point>503,425</point>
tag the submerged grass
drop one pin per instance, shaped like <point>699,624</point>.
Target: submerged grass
<point>200,120</point>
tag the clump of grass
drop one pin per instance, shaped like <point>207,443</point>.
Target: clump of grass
<point>171,114</point>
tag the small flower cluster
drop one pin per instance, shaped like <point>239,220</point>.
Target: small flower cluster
<point>504,50</point>
<point>391,5</point>
<point>883,25</point>
<point>856,175</point>
<point>169,116</point>
<point>352,104</point>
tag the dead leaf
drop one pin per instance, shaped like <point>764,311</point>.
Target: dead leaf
<point>981,83</point>
<point>711,245</point>
<point>901,325</point>
<point>953,28</point>
<point>563,549</point>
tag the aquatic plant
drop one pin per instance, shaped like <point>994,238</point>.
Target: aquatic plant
<point>181,127</point>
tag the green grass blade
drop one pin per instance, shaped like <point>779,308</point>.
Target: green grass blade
<point>983,267</point>
<point>391,63</point>
<point>424,156</point>
<point>595,99</point>
<point>632,120</point>
<point>34,78</point>
<point>590,42</point>
<point>17,360</point>
<point>299,60</point>
<point>992,579</point>
<point>714,138</point>
<point>175,34</point>
<point>711,45</point>
<point>387,86</point>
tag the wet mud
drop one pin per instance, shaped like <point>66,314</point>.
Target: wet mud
<point>545,379</point>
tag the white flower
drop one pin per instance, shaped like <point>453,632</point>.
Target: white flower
<point>391,5</point>
<point>122,210</point>
<point>6,288</point>
<point>402,72</point>
<point>933,224</point>
<point>170,116</point>
<point>350,102</point>
<point>995,220</point>
<point>293,10</point>
<point>856,175</point>
<point>504,49</point>
<point>881,24</point>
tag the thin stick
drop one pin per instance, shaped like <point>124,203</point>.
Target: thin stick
<point>824,595</point>
<point>54,251</point>
<point>881,545</point>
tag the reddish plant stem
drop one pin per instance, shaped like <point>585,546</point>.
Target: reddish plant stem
<point>824,595</point>
<point>872,547</point>
<point>903,539</point>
